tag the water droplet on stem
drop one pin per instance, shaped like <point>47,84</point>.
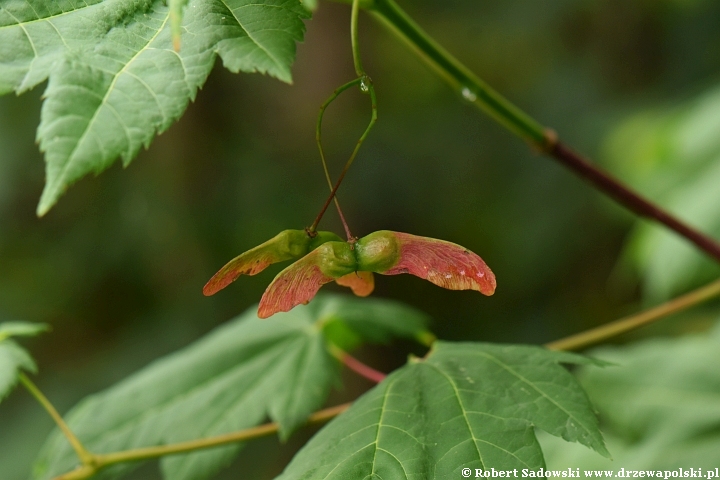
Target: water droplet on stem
<point>468,94</point>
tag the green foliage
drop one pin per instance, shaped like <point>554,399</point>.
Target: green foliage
<point>235,377</point>
<point>676,159</point>
<point>310,4</point>
<point>21,329</point>
<point>13,358</point>
<point>114,78</point>
<point>351,321</point>
<point>659,405</point>
<point>465,406</point>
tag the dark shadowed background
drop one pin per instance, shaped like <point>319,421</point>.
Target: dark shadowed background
<point>118,265</point>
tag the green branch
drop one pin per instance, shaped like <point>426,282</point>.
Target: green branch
<point>86,457</point>
<point>104,460</point>
<point>474,90</point>
<point>359,71</point>
<point>612,329</point>
<point>460,78</point>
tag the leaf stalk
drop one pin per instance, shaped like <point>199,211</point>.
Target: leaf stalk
<point>105,460</point>
<point>356,365</point>
<point>85,456</point>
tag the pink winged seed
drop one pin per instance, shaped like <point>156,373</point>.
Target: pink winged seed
<point>297,284</point>
<point>249,263</point>
<point>362,284</point>
<point>445,264</point>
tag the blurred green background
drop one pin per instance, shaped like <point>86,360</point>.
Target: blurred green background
<point>118,265</point>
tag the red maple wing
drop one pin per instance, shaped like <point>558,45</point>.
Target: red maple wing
<point>362,284</point>
<point>297,284</point>
<point>445,264</point>
<point>249,263</point>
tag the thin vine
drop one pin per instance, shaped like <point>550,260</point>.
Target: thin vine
<point>366,86</point>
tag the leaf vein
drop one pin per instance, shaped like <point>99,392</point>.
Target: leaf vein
<point>462,408</point>
<point>247,32</point>
<point>532,385</point>
<point>63,172</point>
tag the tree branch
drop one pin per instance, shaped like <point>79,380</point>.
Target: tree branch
<point>105,460</point>
<point>480,94</point>
<point>603,332</point>
<point>631,200</point>
<point>86,457</point>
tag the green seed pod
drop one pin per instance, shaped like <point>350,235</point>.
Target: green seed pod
<point>378,251</point>
<point>335,259</point>
<point>319,239</point>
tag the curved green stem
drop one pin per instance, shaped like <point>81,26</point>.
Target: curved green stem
<point>366,86</point>
<point>85,456</point>
<point>354,38</point>
<point>318,140</point>
<point>603,332</point>
<point>460,78</point>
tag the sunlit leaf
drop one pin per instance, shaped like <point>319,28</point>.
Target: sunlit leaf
<point>239,375</point>
<point>465,406</point>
